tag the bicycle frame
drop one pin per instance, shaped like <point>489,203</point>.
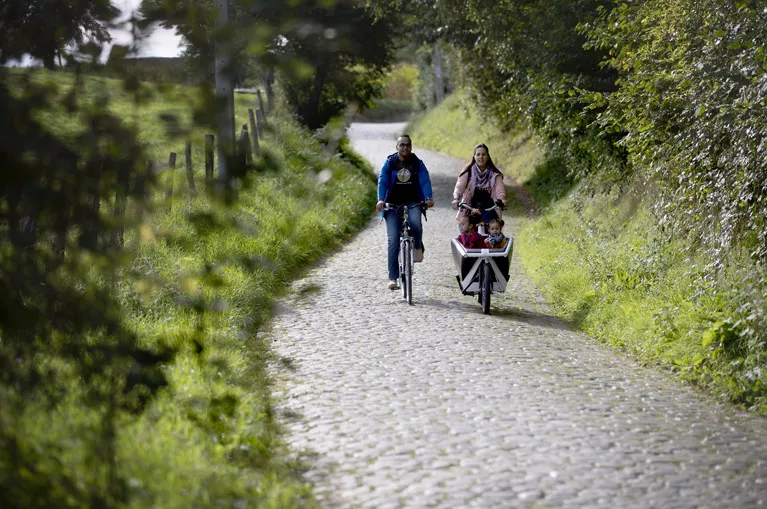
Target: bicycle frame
<point>406,258</point>
<point>406,247</point>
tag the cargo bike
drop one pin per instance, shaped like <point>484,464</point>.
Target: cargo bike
<point>482,272</point>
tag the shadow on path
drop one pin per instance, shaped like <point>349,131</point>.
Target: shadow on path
<point>469,304</point>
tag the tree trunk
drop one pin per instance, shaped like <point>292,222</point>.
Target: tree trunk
<point>439,84</point>
<point>224,91</point>
<point>313,105</point>
<point>89,237</point>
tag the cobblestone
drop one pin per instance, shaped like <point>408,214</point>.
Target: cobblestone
<point>438,405</point>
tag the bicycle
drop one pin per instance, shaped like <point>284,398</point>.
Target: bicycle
<point>482,271</point>
<point>406,248</point>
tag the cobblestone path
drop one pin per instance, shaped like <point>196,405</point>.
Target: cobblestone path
<point>438,405</point>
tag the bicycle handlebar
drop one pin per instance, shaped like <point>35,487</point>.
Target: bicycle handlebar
<point>466,206</point>
<point>422,205</point>
<point>392,206</point>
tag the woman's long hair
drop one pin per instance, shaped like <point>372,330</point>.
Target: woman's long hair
<point>490,164</point>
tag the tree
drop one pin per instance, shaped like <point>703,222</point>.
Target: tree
<point>336,68</point>
<point>314,45</point>
<point>48,30</point>
<point>691,104</point>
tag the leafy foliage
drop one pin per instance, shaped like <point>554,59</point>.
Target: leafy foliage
<point>48,29</point>
<point>400,82</point>
<point>338,69</point>
<point>691,103</point>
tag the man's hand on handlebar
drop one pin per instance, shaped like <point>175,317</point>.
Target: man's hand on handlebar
<point>381,204</point>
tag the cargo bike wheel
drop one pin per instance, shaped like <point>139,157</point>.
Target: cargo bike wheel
<point>485,287</point>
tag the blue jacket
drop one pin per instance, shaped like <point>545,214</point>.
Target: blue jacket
<point>388,173</point>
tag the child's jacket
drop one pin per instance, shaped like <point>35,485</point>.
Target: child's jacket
<point>473,241</point>
<point>496,242</point>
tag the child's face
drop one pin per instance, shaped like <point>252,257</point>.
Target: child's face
<point>466,226</point>
<point>494,228</point>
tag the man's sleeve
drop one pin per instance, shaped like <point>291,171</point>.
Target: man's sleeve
<point>423,177</point>
<point>383,181</point>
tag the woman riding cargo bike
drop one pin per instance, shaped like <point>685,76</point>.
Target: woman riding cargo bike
<point>479,196</point>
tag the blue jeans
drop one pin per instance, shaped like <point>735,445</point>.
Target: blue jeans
<point>393,224</point>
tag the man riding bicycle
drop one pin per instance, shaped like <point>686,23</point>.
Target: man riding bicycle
<point>403,180</point>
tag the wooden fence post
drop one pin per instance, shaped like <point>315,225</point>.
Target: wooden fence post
<point>261,102</point>
<point>189,173</point>
<point>260,121</point>
<point>209,147</point>
<point>254,138</point>
<point>245,153</point>
<point>267,78</point>
<point>169,178</point>
<point>121,202</point>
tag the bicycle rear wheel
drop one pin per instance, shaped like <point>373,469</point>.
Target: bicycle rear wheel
<point>485,287</point>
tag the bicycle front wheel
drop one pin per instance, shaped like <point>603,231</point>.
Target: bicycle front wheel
<point>485,287</point>
<point>407,266</point>
<point>402,265</point>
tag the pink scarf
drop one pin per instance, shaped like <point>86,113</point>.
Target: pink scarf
<point>479,179</point>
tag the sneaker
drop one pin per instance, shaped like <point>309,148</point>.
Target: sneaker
<point>392,284</point>
<point>418,255</point>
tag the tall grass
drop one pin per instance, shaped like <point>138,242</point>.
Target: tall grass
<point>202,281</point>
<point>609,269</point>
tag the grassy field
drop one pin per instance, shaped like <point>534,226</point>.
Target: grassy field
<point>201,280</point>
<point>606,267</point>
